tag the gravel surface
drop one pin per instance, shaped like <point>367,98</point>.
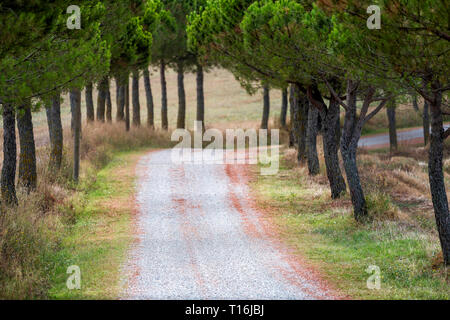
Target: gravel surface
<point>199,238</point>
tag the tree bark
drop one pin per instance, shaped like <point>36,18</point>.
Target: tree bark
<point>390,111</point>
<point>120,100</point>
<point>55,132</point>
<point>149,95</point>
<point>349,145</point>
<point>27,158</point>
<point>436,175</point>
<point>127,104</point>
<point>338,127</point>
<point>200,96</point>
<point>291,112</point>
<point>426,122</point>
<point>425,118</point>
<point>266,108</point>
<point>90,114</point>
<point>135,100</point>
<point>284,107</point>
<point>164,118</point>
<point>331,148</point>
<point>311,138</point>
<point>101,100</point>
<point>75,101</point>
<point>108,104</point>
<point>300,124</point>
<point>8,186</point>
<point>354,182</point>
<point>329,118</point>
<point>181,119</point>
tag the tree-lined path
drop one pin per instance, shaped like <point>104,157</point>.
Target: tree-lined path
<point>200,238</point>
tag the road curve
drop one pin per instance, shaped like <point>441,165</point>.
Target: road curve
<point>200,238</point>
<point>403,136</point>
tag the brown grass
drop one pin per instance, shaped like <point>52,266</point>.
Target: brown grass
<point>396,185</point>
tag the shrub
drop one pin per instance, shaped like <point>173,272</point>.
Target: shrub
<point>380,206</point>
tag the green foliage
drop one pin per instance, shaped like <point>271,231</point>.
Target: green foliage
<point>412,43</point>
<point>171,43</point>
<point>214,33</point>
<point>55,58</point>
<point>129,30</point>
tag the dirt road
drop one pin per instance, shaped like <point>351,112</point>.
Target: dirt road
<point>201,238</point>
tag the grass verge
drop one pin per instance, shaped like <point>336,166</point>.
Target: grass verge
<point>404,247</point>
<point>98,241</point>
<point>62,224</point>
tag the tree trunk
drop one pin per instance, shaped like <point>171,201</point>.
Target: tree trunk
<point>108,104</point>
<point>426,122</point>
<point>311,138</point>
<point>436,175</point>
<point>164,118</point>
<point>349,145</point>
<point>390,110</point>
<point>291,112</point>
<point>27,158</point>
<point>90,114</point>
<point>149,95</point>
<point>328,118</point>
<point>120,100</point>
<point>181,120</point>
<point>266,108</point>
<point>101,100</point>
<point>55,132</point>
<point>425,118</point>
<point>284,107</point>
<point>331,148</point>
<point>75,101</point>
<point>127,105</point>
<point>200,97</point>
<point>135,100</point>
<point>354,182</point>
<point>338,127</point>
<point>300,123</point>
<point>415,104</point>
<point>8,186</point>
<point>48,113</point>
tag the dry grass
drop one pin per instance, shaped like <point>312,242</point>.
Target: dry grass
<point>406,117</point>
<point>100,140</point>
<point>396,185</point>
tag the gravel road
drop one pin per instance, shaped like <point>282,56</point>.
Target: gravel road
<point>200,238</point>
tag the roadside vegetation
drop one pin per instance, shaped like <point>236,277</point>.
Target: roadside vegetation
<point>400,237</point>
<point>63,223</point>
